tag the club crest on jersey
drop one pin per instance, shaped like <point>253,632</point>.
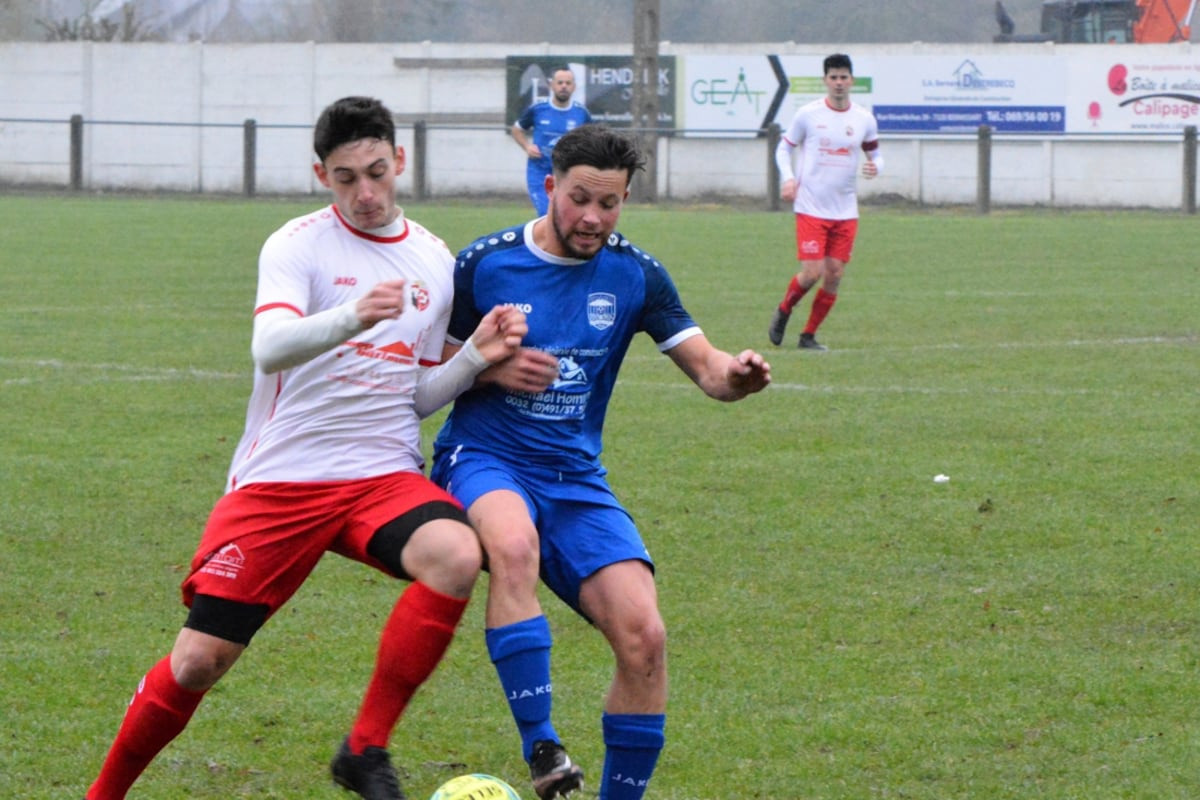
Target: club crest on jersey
<point>419,296</point>
<point>601,310</point>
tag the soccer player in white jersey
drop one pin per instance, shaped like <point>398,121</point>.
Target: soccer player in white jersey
<point>818,157</point>
<point>526,464</point>
<point>350,319</point>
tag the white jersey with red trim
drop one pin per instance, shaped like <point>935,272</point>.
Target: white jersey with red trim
<point>820,148</point>
<point>348,412</point>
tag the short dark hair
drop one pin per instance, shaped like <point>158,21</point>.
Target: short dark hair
<point>838,61</point>
<point>351,119</point>
<point>597,145</point>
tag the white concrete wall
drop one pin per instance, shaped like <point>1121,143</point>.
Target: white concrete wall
<point>208,91</point>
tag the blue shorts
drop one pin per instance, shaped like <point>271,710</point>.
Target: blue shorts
<point>581,525</point>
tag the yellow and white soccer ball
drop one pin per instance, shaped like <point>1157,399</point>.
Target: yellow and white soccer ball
<point>475,787</point>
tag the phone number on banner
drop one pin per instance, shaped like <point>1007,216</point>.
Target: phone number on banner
<point>968,119</point>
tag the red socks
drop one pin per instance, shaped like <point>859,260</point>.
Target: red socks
<point>414,639</point>
<point>793,295</point>
<point>821,305</point>
<point>158,712</point>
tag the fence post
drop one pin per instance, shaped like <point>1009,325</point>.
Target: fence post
<point>249,156</point>
<point>983,201</point>
<point>76,152</point>
<point>1189,169</point>
<point>420,159</point>
<point>773,200</point>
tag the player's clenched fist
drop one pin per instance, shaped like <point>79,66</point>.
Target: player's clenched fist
<point>498,335</point>
<point>384,301</point>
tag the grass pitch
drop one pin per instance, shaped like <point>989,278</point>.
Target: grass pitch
<point>841,627</point>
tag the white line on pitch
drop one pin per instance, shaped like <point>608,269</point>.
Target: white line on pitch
<point>129,372</point>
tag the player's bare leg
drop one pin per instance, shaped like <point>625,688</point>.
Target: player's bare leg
<point>622,601</point>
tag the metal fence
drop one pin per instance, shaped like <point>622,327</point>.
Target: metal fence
<point>750,156</point>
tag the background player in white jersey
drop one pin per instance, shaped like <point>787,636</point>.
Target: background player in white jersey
<point>351,313</point>
<point>526,462</point>
<point>818,158</point>
<point>539,128</point>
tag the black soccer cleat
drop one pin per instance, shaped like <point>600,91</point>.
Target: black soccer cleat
<point>809,342</point>
<point>779,323</point>
<point>370,775</point>
<point>552,771</point>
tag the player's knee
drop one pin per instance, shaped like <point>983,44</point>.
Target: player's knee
<point>446,556</point>
<point>642,646</point>
<point>199,660</point>
<point>461,555</point>
<point>512,551</point>
<point>198,671</point>
<point>653,638</point>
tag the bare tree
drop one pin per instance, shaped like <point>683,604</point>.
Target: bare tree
<point>88,28</point>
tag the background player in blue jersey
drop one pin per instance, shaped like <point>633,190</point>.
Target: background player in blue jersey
<point>521,451</point>
<point>540,127</point>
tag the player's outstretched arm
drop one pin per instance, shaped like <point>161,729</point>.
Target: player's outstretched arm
<point>720,375</point>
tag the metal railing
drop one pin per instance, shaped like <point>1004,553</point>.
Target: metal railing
<point>418,158</point>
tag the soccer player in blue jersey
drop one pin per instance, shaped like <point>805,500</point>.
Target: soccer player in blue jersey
<point>539,128</point>
<point>521,451</point>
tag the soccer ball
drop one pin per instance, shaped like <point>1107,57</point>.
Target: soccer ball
<point>475,787</point>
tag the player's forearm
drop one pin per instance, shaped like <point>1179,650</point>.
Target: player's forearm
<point>874,155</point>
<point>282,340</point>
<point>710,369</point>
<point>439,385</point>
<point>518,135</point>
<point>783,160</point>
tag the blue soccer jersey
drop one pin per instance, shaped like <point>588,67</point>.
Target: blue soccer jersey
<point>547,123</point>
<point>585,313</point>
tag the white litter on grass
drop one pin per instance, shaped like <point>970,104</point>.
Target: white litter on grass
<point>940,478</point>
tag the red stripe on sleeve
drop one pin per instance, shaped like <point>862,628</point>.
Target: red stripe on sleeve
<point>269,306</point>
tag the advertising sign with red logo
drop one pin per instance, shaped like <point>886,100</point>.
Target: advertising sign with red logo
<point>1073,89</point>
<point>1143,90</point>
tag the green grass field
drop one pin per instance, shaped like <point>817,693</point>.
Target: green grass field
<point>841,627</point>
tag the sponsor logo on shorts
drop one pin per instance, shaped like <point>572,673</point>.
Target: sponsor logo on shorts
<point>226,562</point>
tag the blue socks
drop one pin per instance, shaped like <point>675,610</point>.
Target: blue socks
<point>521,655</point>
<point>632,743</point>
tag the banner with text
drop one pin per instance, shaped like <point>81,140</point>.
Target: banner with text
<point>1109,89</point>
<point>604,84</point>
<point>1134,92</point>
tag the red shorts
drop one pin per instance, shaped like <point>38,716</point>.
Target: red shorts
<point>262,541</point>
<point>818,238</point>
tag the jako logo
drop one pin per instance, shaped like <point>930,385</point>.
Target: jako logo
<point>345,280</point>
